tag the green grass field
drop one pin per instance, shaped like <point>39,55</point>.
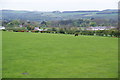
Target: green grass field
<point>0,54</point>
<point>42,55</point>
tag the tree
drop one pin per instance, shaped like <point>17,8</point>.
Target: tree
<point>14,23</point>
<point>93,24</point>
<point>61,30</point>
<point>43,23</point>
<point>30,27</point>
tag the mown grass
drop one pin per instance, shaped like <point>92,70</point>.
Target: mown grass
<point>0,54</point>
<point>42,55</point>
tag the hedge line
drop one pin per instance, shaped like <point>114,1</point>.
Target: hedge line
<point>112,33</point>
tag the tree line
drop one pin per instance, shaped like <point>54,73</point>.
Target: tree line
<point>63,26</point>
<point>62,23</point>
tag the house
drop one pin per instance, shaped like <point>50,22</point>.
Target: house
<point>2,27</point>
<point>20,25</point>
<point>37,28</point>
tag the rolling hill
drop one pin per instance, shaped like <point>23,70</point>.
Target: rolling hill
<point>57,15</point>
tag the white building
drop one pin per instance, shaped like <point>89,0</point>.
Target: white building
<point>1,27</point>
<point>37,28</point>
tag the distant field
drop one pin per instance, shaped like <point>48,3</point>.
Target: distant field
<point>42,55</point>
<point>51,16</point>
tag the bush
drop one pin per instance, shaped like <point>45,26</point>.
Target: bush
<point>61,31</point>
<point>22,31</point>
<point>18,29</point>
<point>42,31</point>
<point>36,31</point>
<point>3,29</point>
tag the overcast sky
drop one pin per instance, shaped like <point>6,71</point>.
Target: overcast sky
<point>61,5</point>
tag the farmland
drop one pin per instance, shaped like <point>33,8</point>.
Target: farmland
<point>43,55</point>
<point>0,54</point>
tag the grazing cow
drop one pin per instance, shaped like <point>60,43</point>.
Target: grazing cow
<point>76,34</point>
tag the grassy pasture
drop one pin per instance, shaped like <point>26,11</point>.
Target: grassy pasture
<point>0,54</point>
<point>42,55</point>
